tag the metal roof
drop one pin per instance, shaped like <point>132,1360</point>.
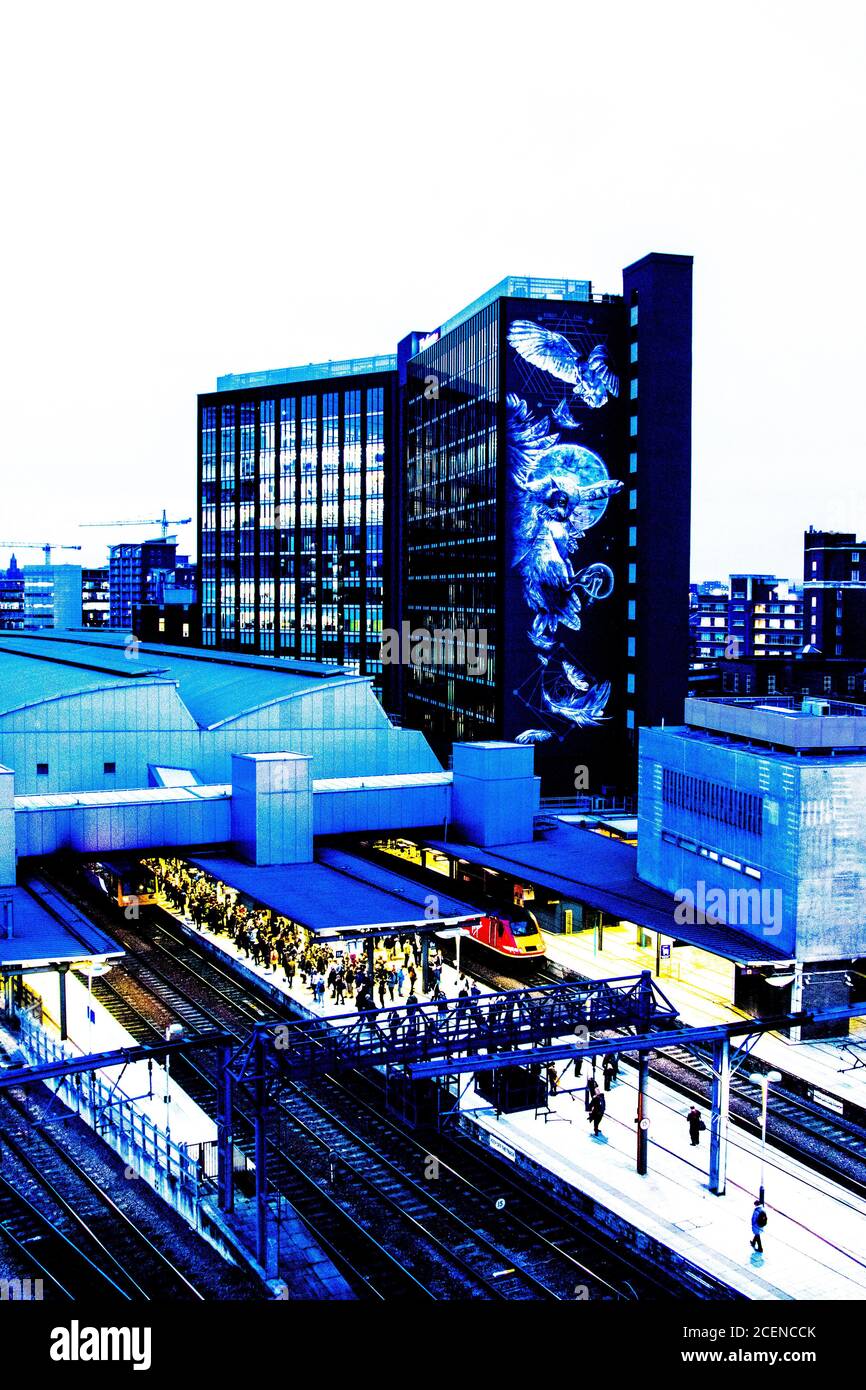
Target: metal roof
<point>216,687</point>
<point>323,898</point>
<point>44,937</point>
<point>602,873</point>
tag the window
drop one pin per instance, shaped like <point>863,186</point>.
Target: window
<point>632,463</point>
<point>109,767</point>
<point>633,389</point>
<point>632,536</point>
<point>632,425</point>
<point>631,652</point>
<point>634,359</point>
<point>771,684</point>
<point>632,499</point>
<point>632,576</point>
<point>633,316</point>
<point>712,800</point>
<point>41,769</point>
<point>629,719</point>
<point>629,682</point>
<point>632,610</point>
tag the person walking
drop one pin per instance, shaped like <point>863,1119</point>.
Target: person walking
<point>696,1124</point>
<point>759,1221</point>
<point>608,1067</point>
<point>401,980</point>
<point>596,1111</point>
<point>589,1093</point>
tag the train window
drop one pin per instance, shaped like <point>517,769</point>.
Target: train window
<point>500,930</point>
<point>109,767</point>
<point>41,769</point>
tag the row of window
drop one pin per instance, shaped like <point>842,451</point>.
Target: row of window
<point>704,851</point>
<point>704,798</point>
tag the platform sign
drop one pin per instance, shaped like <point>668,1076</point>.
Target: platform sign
<point>504,1149</point>
<point>828,1102</point>
<point>666,951</point>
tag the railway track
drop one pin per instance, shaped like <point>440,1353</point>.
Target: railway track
<point>79,1237</point>
<point>353,1176</point>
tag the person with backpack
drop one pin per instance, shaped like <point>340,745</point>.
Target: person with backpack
<point>759,1221</point>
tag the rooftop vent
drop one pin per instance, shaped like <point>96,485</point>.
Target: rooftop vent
<point>819,707</point>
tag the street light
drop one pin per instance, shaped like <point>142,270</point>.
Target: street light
<point>765,1081</point>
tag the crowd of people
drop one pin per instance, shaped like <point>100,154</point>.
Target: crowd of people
<point>279,946</point>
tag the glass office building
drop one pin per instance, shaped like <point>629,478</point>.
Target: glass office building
<point>511,487</point>
<point>292,512</point>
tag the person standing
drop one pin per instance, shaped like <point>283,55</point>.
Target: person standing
<point>696,1124</point>
<point>590,1092</point>
<point>759,1221</point>
<point>608,1067</point>
<point>596,1111</point>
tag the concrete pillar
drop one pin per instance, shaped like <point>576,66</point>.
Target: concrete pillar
<point>61,985</point>
<point>719,1118</point>
<point>642,1116</point>
<point>7,828</point>
<point>495,792</point>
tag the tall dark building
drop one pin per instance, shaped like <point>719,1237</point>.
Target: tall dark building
<point>834,593</point>
<point>510,492</point>
<point>547,442</point>
<point>293,508</point>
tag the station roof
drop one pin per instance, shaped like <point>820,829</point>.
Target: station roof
<point>327,899</point>
<point>601,872</point>
<point>43,939</point>
<point>215,686</point>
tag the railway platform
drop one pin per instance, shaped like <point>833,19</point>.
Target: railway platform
<point>836,1069</point>
<point>814,1241</point>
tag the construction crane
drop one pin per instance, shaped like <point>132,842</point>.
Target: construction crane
<point>45,546</point>
<point>163,521</point>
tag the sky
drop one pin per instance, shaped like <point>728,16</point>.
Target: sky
<point>192,189</point>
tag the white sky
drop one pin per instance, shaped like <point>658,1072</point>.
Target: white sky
<point>192,188</point>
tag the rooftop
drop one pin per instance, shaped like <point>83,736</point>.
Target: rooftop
<point>47,931</point>
<point>310,371</point>
<point>794,722</point>
<point>602,873</point>
<point>214,686</point>
<point>344,893</point>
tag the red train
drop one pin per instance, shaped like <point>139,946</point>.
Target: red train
<point>516,937</point>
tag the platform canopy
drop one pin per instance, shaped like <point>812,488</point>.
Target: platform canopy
<point>44,939</point>
<point>601,873</point>
<point>345,901</point>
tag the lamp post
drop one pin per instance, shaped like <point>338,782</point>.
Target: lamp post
<point>173,1030</point>
<point>765,1082</point>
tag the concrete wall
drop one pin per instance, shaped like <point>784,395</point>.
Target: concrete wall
<point>377,808</point>
<point>141,825</point>
<point>495,792</point>
<point>811,852</point>
<point>272,808</point>
<point>7,828</point>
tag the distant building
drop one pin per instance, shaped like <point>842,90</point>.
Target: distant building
<point>52,596</point>
<point>137,572</point>
<point>175,621</point>
<point>751,812</point>
<point>12,597</point>
<point>95,597</point>
<point>758,615</point>
<point>834,592</point>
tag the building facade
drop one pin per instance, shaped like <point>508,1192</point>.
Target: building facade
<point>95,597</point>
<point>508,495</point>
<point>11,597</point>
<point>52,596</point>
<point>751,812</point>
<point>834,592</point>
<point>292,508</point>
<point>137,571</point>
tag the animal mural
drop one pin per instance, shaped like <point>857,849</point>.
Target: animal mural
<point>561,489</point>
